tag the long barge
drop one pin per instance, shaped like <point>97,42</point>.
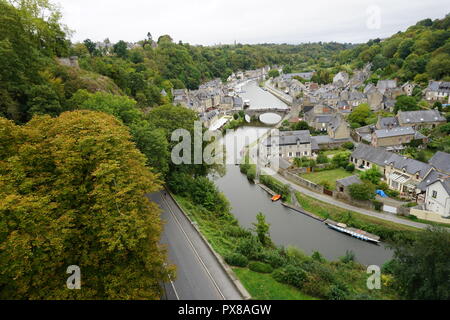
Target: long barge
<point>356,233</point>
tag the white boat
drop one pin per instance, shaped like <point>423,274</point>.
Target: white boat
<point>359,234</point>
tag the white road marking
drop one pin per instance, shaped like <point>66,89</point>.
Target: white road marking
<point>193,248</point>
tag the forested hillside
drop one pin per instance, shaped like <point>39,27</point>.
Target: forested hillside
<point>419,54</point>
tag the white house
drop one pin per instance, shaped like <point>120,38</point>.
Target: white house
<point>437,197</point>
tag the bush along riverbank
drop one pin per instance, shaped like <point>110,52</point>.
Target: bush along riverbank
<point>276,186</point>
<point>267,271</point>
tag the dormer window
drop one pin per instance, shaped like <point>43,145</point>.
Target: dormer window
<point>417,176</point>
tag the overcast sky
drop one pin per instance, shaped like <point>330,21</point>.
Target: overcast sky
<point>209,22</point>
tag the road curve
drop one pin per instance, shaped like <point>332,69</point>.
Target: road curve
<point>199,275</point>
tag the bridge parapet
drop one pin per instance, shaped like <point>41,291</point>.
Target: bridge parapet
<point>259,112</point>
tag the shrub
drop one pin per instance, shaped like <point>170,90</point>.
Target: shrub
<point>315,287</point>
<point>388,267</point>
<point>292,275</point>
<point>260,267</point>
<point>383,186</point>
<point>341,159</point>
<point>236,259</point>
<point>273,257</point>
<point>377,205</point>
<point>322,158</point>
<point>392,193</point>
<point>325,184</point>
<point>237,232</point>
<point>251,173</point>
<point>338,292</point>
<point>250,247</point>
<point>319,270</point>
<point>362,191</point>
<point>350,167</point>
<point>296,255</point>
<point>317,256</point>
<point>348,145</point>
<point>349,257</point>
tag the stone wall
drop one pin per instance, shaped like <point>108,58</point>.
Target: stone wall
<point>428,215</point>
<point>303,182</point>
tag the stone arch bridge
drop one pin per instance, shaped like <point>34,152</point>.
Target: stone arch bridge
<point>259,112</point>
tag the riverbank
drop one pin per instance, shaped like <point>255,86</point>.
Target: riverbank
<point>288,273</point>
<point>280,95</point>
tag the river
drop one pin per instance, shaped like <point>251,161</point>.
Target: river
<point>287,227</point>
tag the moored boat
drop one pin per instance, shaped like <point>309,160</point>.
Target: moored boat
<point>356,233</point>
<point>276,197</point>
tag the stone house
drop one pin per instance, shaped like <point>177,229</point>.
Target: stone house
<point>393,137</point>
<point>355,98</point>
<point>408,88</point>
<point>386,123</point>
<point>438,90</point>
<point>321,122</point>
<point>437,197</point>
<point>292,144</point>
<point>226,103</point>
<point>375,99</point>
<point>338,128</point>
<point>341,79</point>
<point>342,186</point>
<point>400,173</point>
<point>420,119</point>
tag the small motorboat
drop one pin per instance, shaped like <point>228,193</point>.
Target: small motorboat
<point>276,197</point>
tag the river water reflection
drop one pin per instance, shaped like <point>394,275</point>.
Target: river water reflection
<point>287,227</point>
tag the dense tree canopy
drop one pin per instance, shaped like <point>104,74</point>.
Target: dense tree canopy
<point>72,192</point>
<point>422,268</point>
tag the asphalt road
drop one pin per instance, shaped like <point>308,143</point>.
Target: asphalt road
<point>199,274</point>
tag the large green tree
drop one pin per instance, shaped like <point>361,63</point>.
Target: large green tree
<point>73,193</point>
<point>422,268</point>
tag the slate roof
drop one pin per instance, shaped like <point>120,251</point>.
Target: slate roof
<point>335,122</point>
<point>209,115</point>
<point>387,122</point>
<point>439,86</point>
<point>179,92</point>
<point>446,184</point>
<point>420,116</point>
<point>429,179</point>
<point>386,84</point>
<point>395,132</point>
<point>290,138</point>
<point>323,119</point>
<point>383,158</point>
<point>441,161</point>
<point>238,102</point>
<point>356,95</point>
<point>349,181</point>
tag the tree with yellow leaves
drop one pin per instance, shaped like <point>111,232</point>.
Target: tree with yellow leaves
<point>72,193</point>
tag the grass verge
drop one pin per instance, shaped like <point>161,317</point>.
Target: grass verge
<point>264,287</point>
<point>329,176</point>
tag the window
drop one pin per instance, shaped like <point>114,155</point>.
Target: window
<point>306,153</point>
<point>434,194</point>
<point>299,154</point>
<point>290,154</point>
